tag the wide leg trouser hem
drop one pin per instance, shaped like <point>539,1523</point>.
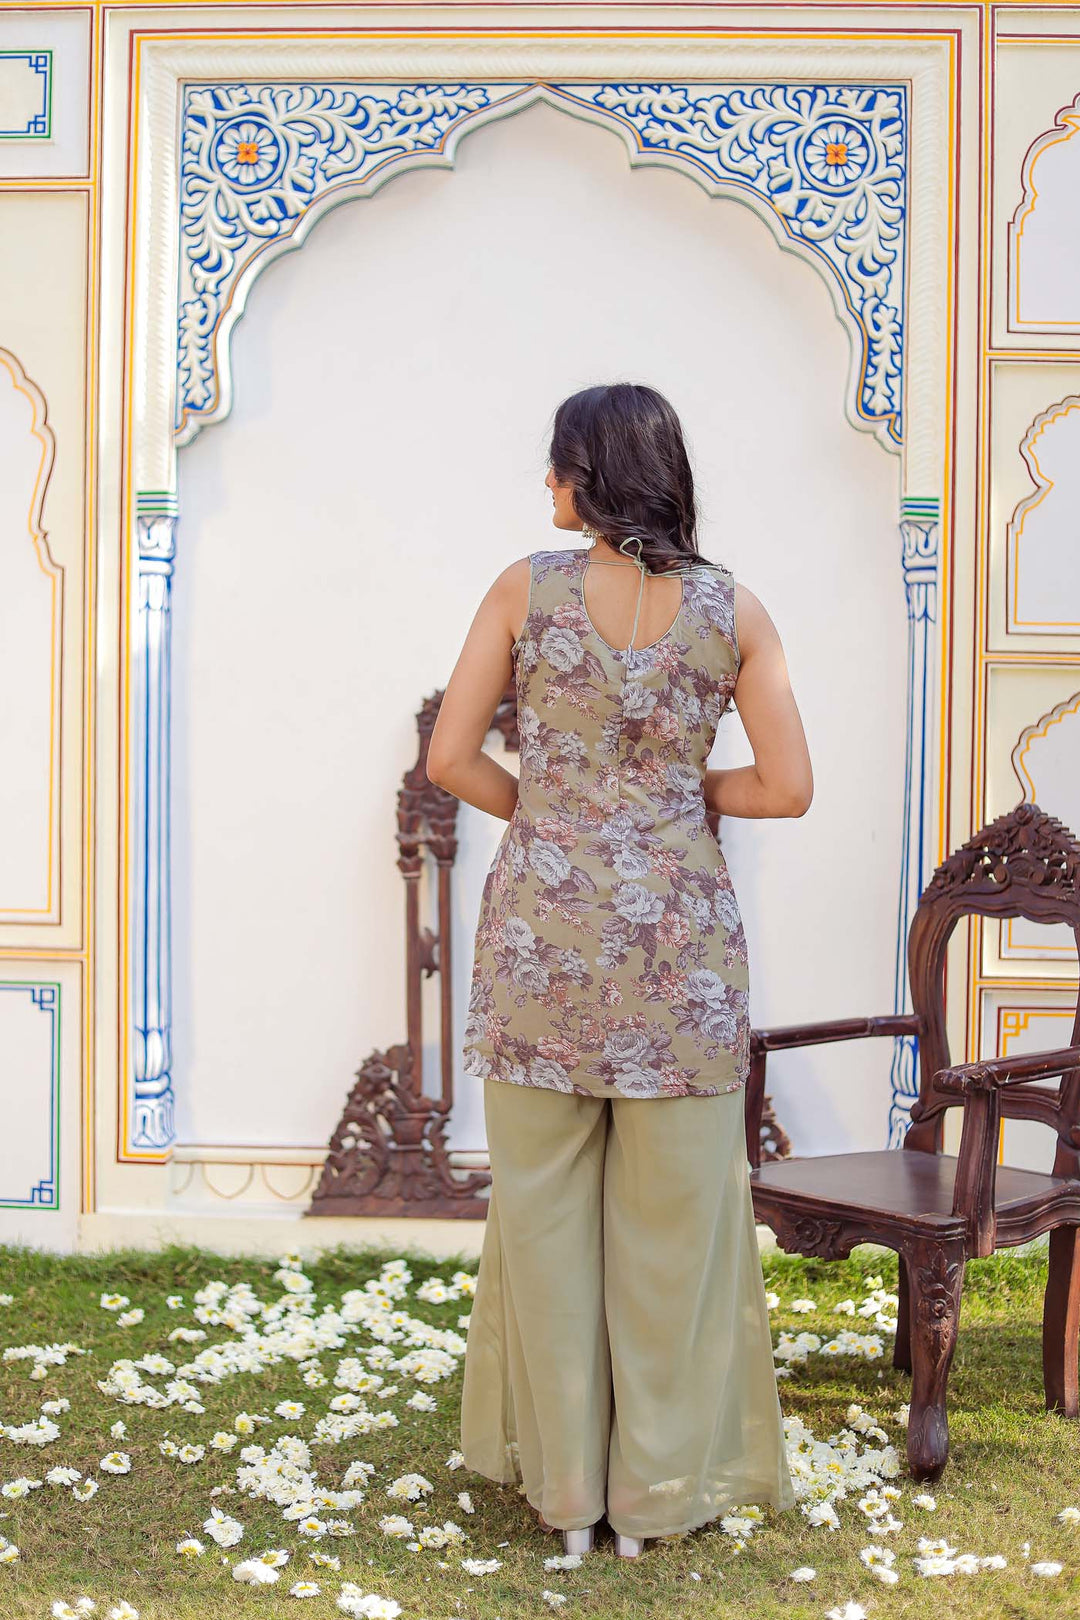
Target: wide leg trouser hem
<point>620,1328</point>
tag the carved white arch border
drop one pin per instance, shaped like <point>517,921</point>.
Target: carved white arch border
<point>148,502</point>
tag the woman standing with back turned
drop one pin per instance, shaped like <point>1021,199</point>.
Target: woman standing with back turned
<point>619,1358</point>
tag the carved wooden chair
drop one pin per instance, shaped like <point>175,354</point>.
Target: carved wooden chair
<point>935,1209</point>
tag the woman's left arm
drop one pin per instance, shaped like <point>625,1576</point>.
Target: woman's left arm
<point>456,760</point>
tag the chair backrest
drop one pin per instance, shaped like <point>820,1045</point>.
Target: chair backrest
<point>1024,864</point>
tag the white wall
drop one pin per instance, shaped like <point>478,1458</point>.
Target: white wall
<point>384,459</point>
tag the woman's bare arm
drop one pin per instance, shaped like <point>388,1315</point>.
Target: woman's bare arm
<point>456,760</point>
<point>780,782</point>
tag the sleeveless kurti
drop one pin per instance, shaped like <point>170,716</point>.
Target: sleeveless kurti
<point>609,954</point>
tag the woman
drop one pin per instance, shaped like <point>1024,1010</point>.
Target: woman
<point>619,1356</point>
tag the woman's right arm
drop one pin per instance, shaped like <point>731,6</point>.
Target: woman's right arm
<point>780,782</point>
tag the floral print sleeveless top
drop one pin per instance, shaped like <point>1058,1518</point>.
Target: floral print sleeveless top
<point>609,957</point>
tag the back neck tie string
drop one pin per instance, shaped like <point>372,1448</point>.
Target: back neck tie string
<point>683,569</point>
<point>641,586</point>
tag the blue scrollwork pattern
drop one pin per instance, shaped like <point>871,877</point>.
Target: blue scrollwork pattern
<point>830,160</point>
<point>255,158</point>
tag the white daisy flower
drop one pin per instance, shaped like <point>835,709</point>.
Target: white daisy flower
<point>366,1605</point>
<point>255,1572</point>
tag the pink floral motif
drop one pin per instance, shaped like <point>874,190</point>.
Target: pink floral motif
<point>610,957</point>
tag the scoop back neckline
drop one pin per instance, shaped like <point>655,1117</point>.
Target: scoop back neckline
<point>620,652</point>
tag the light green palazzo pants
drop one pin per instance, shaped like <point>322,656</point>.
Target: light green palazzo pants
<point>619,1353</point>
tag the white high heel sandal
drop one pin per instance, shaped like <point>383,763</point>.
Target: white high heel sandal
<point>579,1541</point>
<point>629,1546</point>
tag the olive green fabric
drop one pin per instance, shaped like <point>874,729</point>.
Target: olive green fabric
<point>619,1357</point>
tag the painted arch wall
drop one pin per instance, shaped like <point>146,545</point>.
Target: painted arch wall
<point>989,381</point>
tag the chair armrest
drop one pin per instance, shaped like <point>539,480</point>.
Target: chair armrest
<point>963,1078</point>
<point>979,1085</point>
<point>833,1029</point>
<point>786,1036</point>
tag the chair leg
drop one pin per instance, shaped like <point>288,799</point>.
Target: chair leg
<point>1061,1317</point>
<point>901,1357</point>
<point>936,1278</point>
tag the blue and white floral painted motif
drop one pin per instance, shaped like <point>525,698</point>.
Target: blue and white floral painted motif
<point>828,160</point>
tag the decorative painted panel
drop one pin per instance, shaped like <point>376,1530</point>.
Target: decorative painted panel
<point>26,80</point>
<point>1044,237</point>
<point>30,1062</point>
<point>259,161</point>
<point>1043,558</point>
<point>45,81</point>
<point>1034,754</point>
<point>31,636</point>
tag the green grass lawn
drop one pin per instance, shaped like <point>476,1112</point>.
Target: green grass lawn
<point>1013,1466</point>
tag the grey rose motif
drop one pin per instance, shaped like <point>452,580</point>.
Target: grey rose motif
<point>718,1024</point>
<point>727,909</point>
<point>562,648</point>
<point>638,701</point>
<point>531,975</point>
<point>549,862</point>
<point>630,1052</point>
<point>701,910</point>
<point>638,904</point>
<point>702,984</point>
<point>639,1083</point>
<point>545,1072</point>
<point>629,859</point>
<point>685,779</point>
<point>628,1046</point>
<point>519,936</point>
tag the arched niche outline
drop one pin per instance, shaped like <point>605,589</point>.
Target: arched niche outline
<point>591,77</point>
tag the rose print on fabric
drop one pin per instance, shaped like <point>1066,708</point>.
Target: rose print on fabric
<point>609,956</point>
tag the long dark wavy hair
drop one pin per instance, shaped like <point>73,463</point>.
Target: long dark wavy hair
<point>620,445</point>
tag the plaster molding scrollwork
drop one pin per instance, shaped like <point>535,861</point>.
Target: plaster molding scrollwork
<point>261,162</point>
<point>919,560</point>
<point>151,1122</point>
